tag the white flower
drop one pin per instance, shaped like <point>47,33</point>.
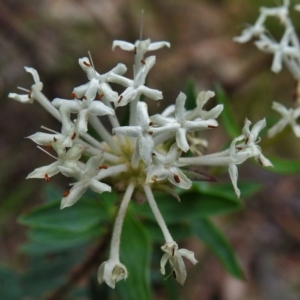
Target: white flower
<point>202,99</point>
<point>140,47</point>
<point>288,117</point>
<point>98,83</point>
<point>86,179</point>
<point>165,166</point>
<point>112,271</point>
<point>143,132</point>
<point>136,87</point>
<point>280,50</point>
<point>66,158</point>
<point>174,256</point>
<point>239,152</point>
<point>30,96</point>
<point>180,125</point>
<point>84,108</point>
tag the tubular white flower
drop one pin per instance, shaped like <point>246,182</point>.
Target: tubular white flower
<point>30,96</point>
<point>84,108</point>
<point>98,83</point>
<point>202,99</point>
<point>86,179</point>
<point>165,166</point>
<point>280,50</point>
<point>288,117</point>
<point>180,125</point>
<point>111,271</point>
<point>137,87</point>
<point>66,158</point>
<point>143,132</point>
<point>174,256</point>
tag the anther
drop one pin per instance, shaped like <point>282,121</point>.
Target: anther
<point>73,95</point>
<point>73,136</point>
<point>143,62</point>
<point>176,177</point>
<point>86,64</point>
<point>29,95</point>
<point>120,98</point>
<point>48,147</point>
<point>84,97</point>
<point>100,96</point>
<point>151,123</point>
<point>153,154</point>
<point>54,139</point>
<point>134,51</point>
<point>66,193</point>
<point>211,126</point>
<point>47,178</point>
<point>150,132</point>
<point>103,167</point>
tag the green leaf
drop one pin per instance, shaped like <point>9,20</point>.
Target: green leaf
<point>190,89</point>
<point>80,217</point>
<point>247,188</point>
<point>10,288</point>
<point>45,241</point>
<point>284,166</point>
<point>179,231</point>
<point>193,205</point>
<point>46,274</point>
<point>227,116</point>
<point>218,243</point>
<point>135,255</point>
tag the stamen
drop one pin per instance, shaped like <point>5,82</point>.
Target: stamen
<point>90,56</point>
<point>86,64</point>
<point>134,51</point>
<point>84,97</point>
<point>211,126</point>
<point>73,95</point>
<point>143,62</point>
<point>176,177</point>
<point>151,123</point>
<point>23,89</point>
<point>142,24</point>
<point>46,128</point>
<point>29,95</point>
<point>153,154</point>
<point>120,98</point>
<point>73,136</point>
<point>150,132</point>
<point>54,139</point>
<point>47,152</point>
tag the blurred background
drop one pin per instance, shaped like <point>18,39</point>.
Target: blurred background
<point>50,36</point>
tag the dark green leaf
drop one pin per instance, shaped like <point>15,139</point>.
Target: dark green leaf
<point>10,288</point>
<point>45,241</point>
<point>227,116</point>
<point>135,255</point>
<point>284,166</point>
<point>218,243</point>
<point>48,273</point>
<point>80,217</point>
<point>190,92</point>
<point>226,190</point>
<point>193,205</point>
<point>179,232</point>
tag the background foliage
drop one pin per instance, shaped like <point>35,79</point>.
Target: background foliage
<point>52,253</point>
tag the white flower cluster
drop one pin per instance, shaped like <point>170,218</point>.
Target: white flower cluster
<point>286,51</point>
<point>137,156</point>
